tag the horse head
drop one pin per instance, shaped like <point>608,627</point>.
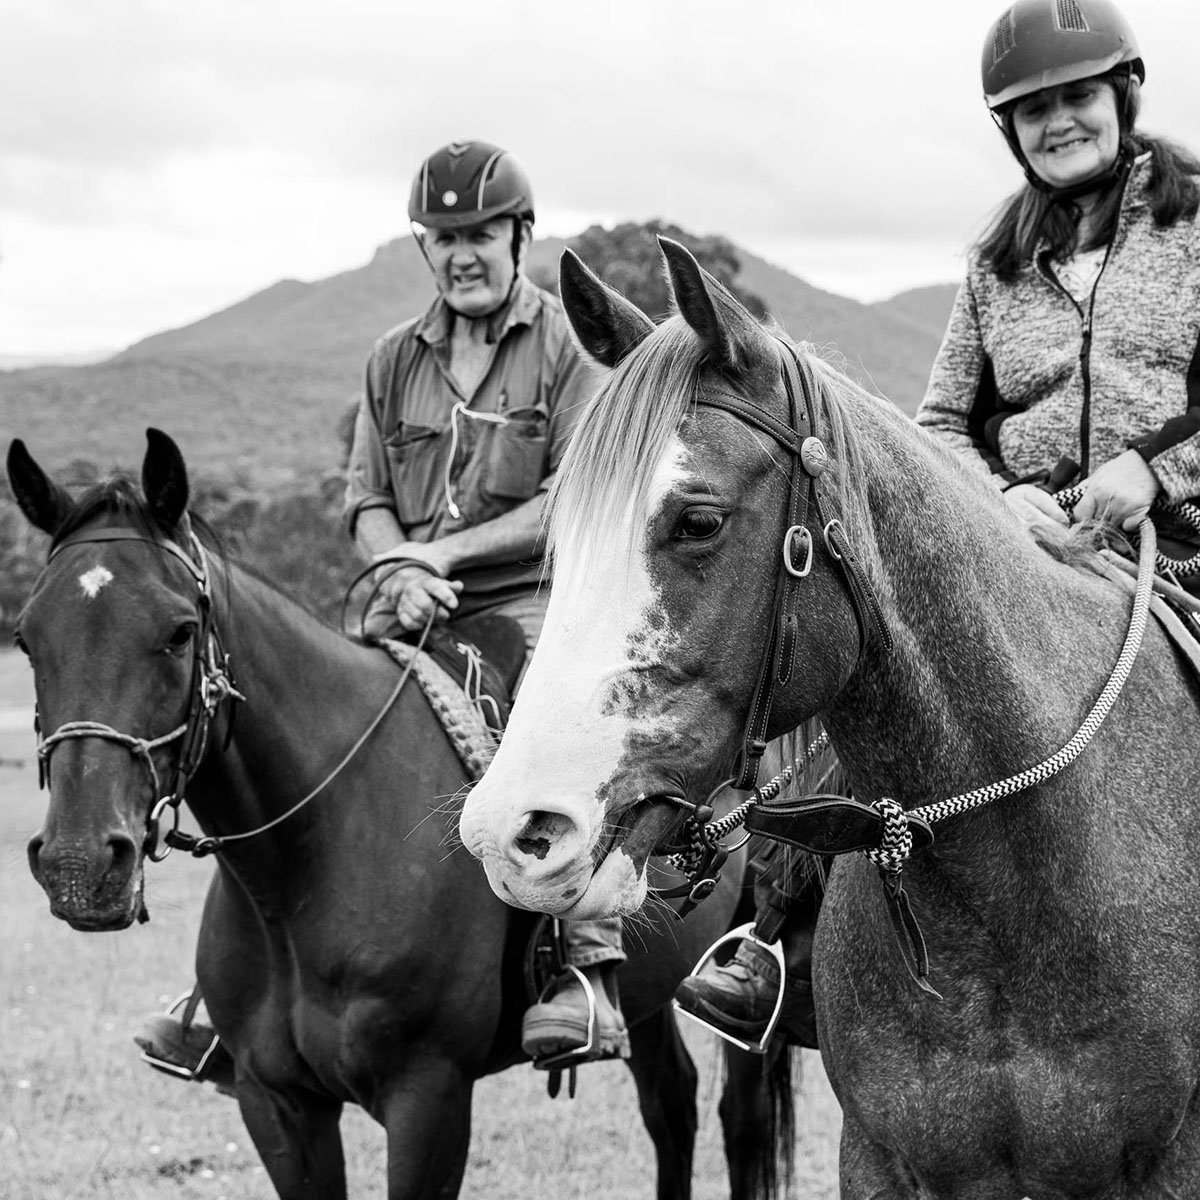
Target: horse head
<point>112,630</point>
<point>670,523</point>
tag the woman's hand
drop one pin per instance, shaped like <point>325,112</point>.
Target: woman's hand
<point>1034,505</point>
<point>1119,492</point>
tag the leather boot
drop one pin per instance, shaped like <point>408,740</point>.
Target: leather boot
<point>559,1024</point>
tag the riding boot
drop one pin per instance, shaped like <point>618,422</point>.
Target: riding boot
<point>178,1045</point>
<point>739,997</point>
<point>579,1014</point>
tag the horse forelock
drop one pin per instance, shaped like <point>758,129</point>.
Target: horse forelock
<point>601,496</point>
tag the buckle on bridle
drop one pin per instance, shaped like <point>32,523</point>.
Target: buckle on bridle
<point>801,532</point>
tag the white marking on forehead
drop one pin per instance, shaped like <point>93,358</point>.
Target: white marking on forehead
<point>93,582</point>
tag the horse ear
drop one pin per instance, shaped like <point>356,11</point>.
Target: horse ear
<point>164,479</point>
<point>44,503</point>
<point>721,321</point>
<point>606,325</point>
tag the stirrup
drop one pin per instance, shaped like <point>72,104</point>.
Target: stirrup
<point>569,1059</point>
<point>743,933</point>
<point>189,1001</point>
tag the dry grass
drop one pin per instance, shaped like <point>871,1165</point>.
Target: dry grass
<point>80,1116</point>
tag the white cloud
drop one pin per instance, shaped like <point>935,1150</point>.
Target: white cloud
<point>160,158</point>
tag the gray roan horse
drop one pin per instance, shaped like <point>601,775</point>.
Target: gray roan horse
<point>347,956</point>
<point>1063,923</point>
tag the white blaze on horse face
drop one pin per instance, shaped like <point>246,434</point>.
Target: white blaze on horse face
<point>94,581</point>
<point>538,812</point>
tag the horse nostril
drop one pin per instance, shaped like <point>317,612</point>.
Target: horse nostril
<point>124,854</point>
<point>33,850</point>
<point>542,830</point>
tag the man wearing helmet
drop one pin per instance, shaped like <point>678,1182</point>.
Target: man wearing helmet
<point>1072,349</point>
<point>466,413</point>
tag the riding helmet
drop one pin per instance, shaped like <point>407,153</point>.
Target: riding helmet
<point>1041,43</point>
<point>466,183</point>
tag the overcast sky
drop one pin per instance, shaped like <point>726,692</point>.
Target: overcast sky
<point>160,159</point>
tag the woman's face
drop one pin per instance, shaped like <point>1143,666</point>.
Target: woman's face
<point>1069,133</point>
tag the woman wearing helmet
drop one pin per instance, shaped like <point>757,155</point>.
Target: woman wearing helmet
<point>1073,350</point>
<point>1072,346</point>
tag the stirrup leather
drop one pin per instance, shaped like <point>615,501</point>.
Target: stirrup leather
<point>568,1059</point>
<point>189,1001</point>
<point>743,933</point>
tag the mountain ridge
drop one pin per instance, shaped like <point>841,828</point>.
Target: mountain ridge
<point>255,389</point>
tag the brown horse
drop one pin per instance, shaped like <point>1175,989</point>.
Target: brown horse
<point>708,555</point>
<point>346,954</point>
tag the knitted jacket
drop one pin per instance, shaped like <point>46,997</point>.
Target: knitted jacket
<point>1025,375</point>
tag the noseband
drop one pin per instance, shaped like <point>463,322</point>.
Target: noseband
<point>211,684</point>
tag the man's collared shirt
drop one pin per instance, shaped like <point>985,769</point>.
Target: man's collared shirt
<point>422,450</point>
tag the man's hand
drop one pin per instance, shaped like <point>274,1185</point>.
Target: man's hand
<point>1034,506</point>
<point>1120,492</point>
<point>415,592</point>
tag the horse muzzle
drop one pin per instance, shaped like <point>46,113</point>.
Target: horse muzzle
<point>90,889</point>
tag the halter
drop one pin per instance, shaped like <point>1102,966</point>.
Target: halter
<point>809,460</point>
<point>211,684</point>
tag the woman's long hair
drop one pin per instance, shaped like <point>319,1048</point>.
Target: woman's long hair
<point>1032,216</point>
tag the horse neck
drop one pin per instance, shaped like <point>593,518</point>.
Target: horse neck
<point>309,694</point>
<point>991,655</point>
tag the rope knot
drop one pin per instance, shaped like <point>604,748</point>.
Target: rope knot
<point>896,843</point>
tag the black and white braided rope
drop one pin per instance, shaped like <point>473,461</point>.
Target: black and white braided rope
<point>1189,513</point>
<point>897,842</point>
<point>704,837</point>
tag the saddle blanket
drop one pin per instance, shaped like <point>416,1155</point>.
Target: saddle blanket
<point>473,740</point>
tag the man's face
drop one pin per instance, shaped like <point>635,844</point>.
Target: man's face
<point>473,267</point>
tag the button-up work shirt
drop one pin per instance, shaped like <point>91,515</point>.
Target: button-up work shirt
<point>422,450</point>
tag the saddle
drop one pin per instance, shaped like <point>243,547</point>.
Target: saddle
<point>468,671</point>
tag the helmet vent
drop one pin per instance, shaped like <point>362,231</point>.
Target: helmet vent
<point>1006,36</point>
<point>1068,16</point>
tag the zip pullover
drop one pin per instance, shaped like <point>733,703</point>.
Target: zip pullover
<point>1026,374</point>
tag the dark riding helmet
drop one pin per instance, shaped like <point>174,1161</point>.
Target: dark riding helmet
<point>467,183</point>
<point>1041,43</point>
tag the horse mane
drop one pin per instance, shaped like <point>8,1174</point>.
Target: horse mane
<point>601,490</point>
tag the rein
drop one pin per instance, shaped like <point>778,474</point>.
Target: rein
<point>901,831</point>
<point>212,684</point>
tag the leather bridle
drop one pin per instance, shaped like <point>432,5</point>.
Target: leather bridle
<point>809,461</point>
<point>210,685</point>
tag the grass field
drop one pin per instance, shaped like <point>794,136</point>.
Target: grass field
<point>81,1117</point>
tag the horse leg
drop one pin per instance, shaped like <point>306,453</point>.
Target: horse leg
<point>866,1171</point>
<point>666,1083</point>
<point>427,1115</point>
<point>297,1137</point>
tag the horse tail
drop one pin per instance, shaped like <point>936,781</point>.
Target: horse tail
<point>777,1158</point>
<point>759,1118</point>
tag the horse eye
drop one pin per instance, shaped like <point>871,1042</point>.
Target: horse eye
<point>696,524</point>
<point>181,639</point>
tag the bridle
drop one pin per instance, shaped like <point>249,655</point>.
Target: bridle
<point>210,686</point>
<point>809,460</point>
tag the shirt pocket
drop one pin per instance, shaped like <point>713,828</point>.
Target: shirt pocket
<point>414,458</point>
<point>515,462</point>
